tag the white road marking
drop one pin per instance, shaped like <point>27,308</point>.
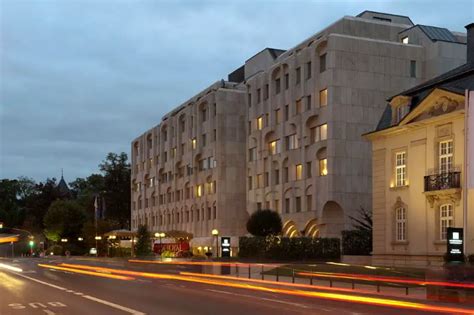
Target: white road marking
<point>113,305</point>
<point>259,298</point>
<point>120,307</point>
<point>48,312</point>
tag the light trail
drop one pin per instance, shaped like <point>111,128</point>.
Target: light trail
<point>11,268</point>
<point>375,301</point>
<point>201,263</point>
<point>386,279</point>
<point>90,273</point>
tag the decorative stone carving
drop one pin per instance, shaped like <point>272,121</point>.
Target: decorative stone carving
<point>443,105</point>
<point>438,197</point>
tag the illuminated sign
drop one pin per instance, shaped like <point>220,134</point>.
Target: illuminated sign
<point>225,246</point>
<point>455,250</point>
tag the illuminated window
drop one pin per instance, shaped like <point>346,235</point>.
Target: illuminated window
<point>446,219</point>
<point>199,191</point>
<point>193,143</point>
<point>405,40</point>
<point>401,220</point>
<point>299,172</point>
<point>274,147</point>
<point>445,156</point>
<point>260,123</point>
<point>292,142</point>
<point>400,169</point>
<point>323,98</point>
<point>323,167</point>
<point>259,180</point>
<point>277,116</point>
<point>319,133</point>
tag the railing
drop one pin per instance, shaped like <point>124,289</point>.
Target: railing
<point>443,181</point>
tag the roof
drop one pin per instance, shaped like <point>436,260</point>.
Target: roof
<point>456,81</point>
<point>63,188</point>
<point>438,33</point>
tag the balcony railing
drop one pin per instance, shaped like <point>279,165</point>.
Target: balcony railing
<point>443,181</point>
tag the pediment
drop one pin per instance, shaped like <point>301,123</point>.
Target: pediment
<point>438,102</point>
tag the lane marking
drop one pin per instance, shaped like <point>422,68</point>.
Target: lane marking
<point>48,312</point>
<point>113,305</point>
<point>259,298</point>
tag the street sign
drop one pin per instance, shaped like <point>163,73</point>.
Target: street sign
<point>455,250</point>
<point>225,246</point>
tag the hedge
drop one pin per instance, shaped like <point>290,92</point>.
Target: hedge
<point>284,248</point>
<point>356,242</point>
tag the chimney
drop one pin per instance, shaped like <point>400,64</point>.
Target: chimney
<point>470,43</point>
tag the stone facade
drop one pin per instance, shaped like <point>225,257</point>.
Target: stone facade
<point>287,133</point>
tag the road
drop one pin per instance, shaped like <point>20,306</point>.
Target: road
<point>39,290</point>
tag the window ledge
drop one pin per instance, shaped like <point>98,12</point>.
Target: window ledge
<point>400,243</point>
<point>399,187</point>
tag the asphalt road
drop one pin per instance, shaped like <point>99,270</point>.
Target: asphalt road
<point>43,291</point>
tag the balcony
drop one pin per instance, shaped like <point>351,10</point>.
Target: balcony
<point>443,187</point>
<point>443,181</point>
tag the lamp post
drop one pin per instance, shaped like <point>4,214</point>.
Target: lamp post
<point>160,235</point>
<point>215,233</point>
<point>111,238</point>
<point>97,238</point>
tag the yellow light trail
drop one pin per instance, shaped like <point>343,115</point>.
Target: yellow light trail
<point>200,263</point>
<point>321,295</point>
<point>90,273</point>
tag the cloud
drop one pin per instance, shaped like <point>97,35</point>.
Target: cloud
<point>82,78</point>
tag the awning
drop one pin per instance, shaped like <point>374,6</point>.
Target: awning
<point>121,233</point>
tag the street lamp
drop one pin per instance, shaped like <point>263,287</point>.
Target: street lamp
<point>215,232</point>
<point>160,235</point>
<point>64,240</point>
<point>97,238</point>
<point>80,239</point>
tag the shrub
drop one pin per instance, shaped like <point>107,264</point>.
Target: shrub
<point>356,242</point>
<point>284,248</point>
<point>264,223</point>
<point>143,247</point>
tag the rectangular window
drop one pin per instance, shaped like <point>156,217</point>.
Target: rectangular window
<point>249,181</point>
<point>445,156</point>
<point>204,115</point>
<point>276,177</point>
<point>266,179</point>
<point>446,219</point>
<point>308,70</point>
<point>298,75</point>
<point>277,116</point>
<point>259,95</point>
<point>259,206</point>
<point>259,180</point>
<point>276,205</point>
<point>266,92</point>
<point>287,112</point>
<point>299,106</point>
<point>323,167</point>
<point>260,123</point>
<point>252,154</point>
<point>193,144</point>
<point>287,81</point>
<point>199,191</point>
<point>400,169</point>
<point>277,86</point>
<point>267,204</point>
<point>309,173</point>
<point>298,204</point>
<point>292,142</point>
<point>214,135</point>
<point>274,147</point>
<point>400,219</point>
<point>322,63</point>
<point>285,175</point>
<point>319,133</point>
<point>308,102</point>
<point>323,98</point>
<point>405,40</point>
<point>204,140</point>
<point>309,203</point>
<point>299,171</point>
<point>413,68</point>
<point>287,205</point>
<point>249,99</point>
<point>215,109</point>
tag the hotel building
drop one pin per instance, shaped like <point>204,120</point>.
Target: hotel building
<point>419,170</point>
<point>285,132</point>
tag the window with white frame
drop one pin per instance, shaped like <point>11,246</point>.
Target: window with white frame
<point>292,142</point>
<point>274,147</point>
<point>446,219</point>
<point>445,156</point>
<point>400,224</point>
<point>400,169</point>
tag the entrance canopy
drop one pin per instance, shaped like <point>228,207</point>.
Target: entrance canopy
<point>121,234</point>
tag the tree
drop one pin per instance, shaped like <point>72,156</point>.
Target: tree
<point>363,221</point>
<point>116,172</point>
<point>143,247</point>
<point>264,223</point>
<point>65,218</point>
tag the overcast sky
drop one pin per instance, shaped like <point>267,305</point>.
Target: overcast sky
<point>83,78</point>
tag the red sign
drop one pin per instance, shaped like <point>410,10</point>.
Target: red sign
<point>171,247</point>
